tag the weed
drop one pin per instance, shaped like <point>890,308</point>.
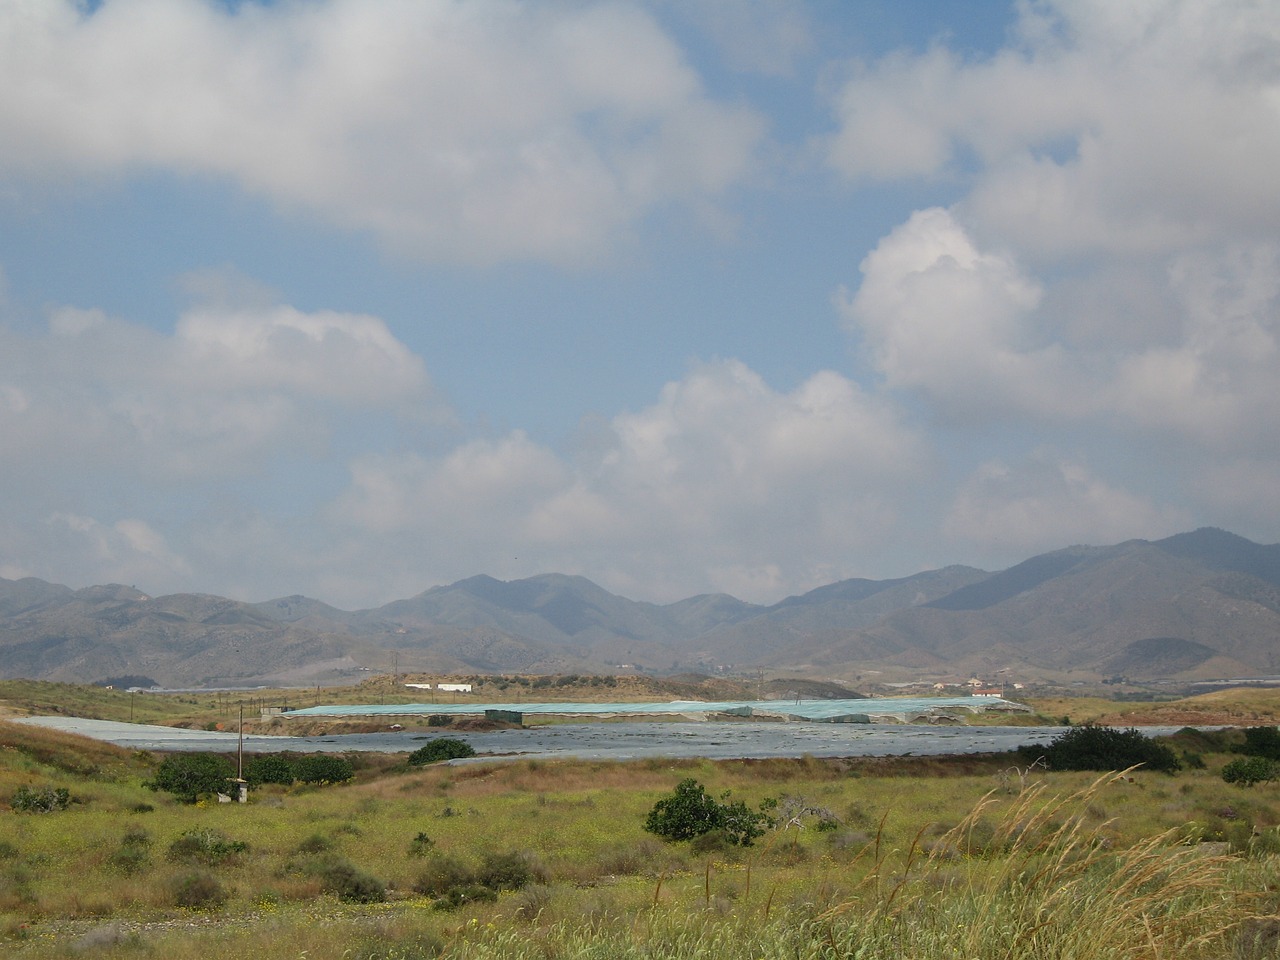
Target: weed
<point>315,843</point>
<point>199,891</point>
<point>420,845</point>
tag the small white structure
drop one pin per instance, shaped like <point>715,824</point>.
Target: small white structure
<point>419,686</point>
<point>454,687</point>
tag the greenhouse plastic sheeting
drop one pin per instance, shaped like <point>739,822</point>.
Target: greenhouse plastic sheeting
<point>848,711</point>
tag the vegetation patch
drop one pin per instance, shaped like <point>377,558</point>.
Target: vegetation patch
<point>190,776</point>
<point>441,748</point>
<point>206,846</point>
<point>1090,747</point>
<point>1248,771</point>
<point>692,812</point>
<point>40,799</point>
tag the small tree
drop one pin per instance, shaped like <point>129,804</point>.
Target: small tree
<point>441,748</point>
<point>1250,770</point>
<point>691,812</point>
<point>268,768</point>
<point>1262,742</point>
<point>189,776</point>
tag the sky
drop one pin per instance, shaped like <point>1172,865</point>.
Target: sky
<point>353,298</point>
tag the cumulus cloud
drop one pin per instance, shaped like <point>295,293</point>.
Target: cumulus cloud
<point>226,390</point>
<point>1046,501</point>
<point>957,323</point>
<point>723,484</point>
<point>1108,128</point>
<point>476,131</point>
<point>1215,383</point>
<point>86,550</point>
<point>1109,264</point>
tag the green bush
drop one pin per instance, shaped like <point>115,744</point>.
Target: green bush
<point>691,812</point>
<point>320,768</point>
<point>1262,742</point>
<point>189,776</point>
<point>452,883</point>
<point>1250,770</point>
<point>40,799</point>
<point>134,854</point>
<point>441,748</point>
<point>442,872</point>
<point>1090,747</point>
<point>504,871</point>
<point>204,846</point>
<point>439,720</point>
<point>352,885</point>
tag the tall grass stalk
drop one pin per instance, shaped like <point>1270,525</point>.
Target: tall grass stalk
<point>1046,885</point>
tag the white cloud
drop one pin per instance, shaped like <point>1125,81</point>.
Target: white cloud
<point>766,38</point>
<point>956,323</point>
<point>1047,501</point>
<point>1216,383</point>
<point>477,131</point>
<point>227,390</point>
<point>1111,128</point>
<point>723,484</point>
<point>127,551</point>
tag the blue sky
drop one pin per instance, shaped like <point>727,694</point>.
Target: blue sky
<point>350,299</point>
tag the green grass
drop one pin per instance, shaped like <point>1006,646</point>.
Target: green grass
<point>930,858</point>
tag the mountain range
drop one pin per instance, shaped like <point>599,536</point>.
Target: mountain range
<point>1192,606</point>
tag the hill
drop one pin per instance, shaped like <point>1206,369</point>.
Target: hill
<point>1197,605</point>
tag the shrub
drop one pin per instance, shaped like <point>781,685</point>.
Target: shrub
<point>130,859</point>
<point>691,812</point>
<point>340,877</point>
<point>352,885</point>
<point>1250,770</point>
<point>455,897</point>
<point>40,799</point>
<point>268,768</point>
<point>452,883</point>
<point>441,748</point>
<point>204,846</point>
<point>420,844</point>
<point>316,843</point>
<point>1091,747</point>
<point>320,768</point>
<point>189,776</point>
<point>1262,742</point>
<point>439,720</point>
<point>441,873</point>
<point>504,871</point>
<point>199,891</point>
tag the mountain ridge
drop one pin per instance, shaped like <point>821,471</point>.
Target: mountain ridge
<point>1181,607</point>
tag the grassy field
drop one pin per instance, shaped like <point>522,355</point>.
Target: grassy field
<point>971,857</point>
